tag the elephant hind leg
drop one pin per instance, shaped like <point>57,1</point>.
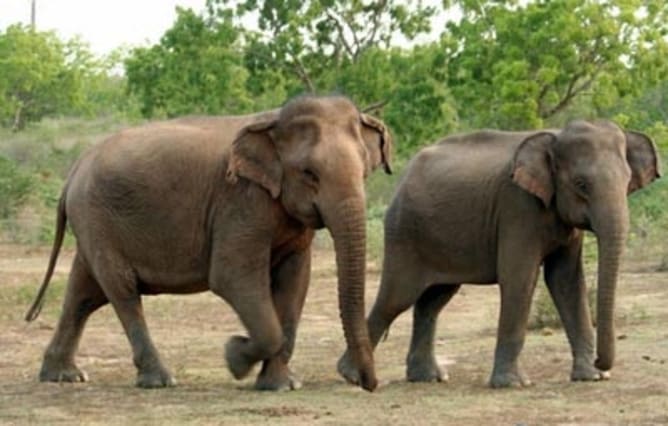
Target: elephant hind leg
<point>83,297</point>
<point>421,363</point>
<point>120,285</point>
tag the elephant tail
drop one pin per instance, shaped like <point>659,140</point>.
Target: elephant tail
<point>61,220</point>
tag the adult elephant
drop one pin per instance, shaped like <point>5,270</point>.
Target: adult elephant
<point>492,207</point>
<point>223,204</point>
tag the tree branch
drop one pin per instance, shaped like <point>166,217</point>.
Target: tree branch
<point>376,106</point>
<point>572,91</point>
<point>541,95</point>
<point>375,18</point>
<point>18,118</point>
<point>341,33</point>
<point>303,74</point>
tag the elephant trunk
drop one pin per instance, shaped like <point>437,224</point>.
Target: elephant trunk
<point>611,228</point>
<point>348,229</point>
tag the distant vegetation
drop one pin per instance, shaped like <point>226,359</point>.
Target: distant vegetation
<point>506,64</point>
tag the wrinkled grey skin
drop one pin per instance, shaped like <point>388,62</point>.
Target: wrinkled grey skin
<point>492,207</point>
<point>227,204</point>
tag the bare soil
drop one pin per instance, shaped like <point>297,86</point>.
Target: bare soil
<point>190,332</point>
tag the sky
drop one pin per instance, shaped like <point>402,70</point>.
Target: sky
<point>105,25</point>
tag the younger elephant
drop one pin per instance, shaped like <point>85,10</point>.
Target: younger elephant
<point>492,207</point>
<point>226,204</point>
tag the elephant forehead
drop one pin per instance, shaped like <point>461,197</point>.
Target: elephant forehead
<point>329,108</point>
<point>599,134</point>
<point>333,149</point>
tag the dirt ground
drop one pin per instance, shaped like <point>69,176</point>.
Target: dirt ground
<point>190,332</point>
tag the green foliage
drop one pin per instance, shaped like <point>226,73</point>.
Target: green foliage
<point>42,75</point>
<point>308,39</point>
<point>516,65</point>
<point>105,89</point>
<point>196,68</point>
<point>23,295</point>
<point>36,76</point>
<point>15,187</point>
<point>418,107</point>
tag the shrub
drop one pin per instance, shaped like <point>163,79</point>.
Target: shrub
<point>15,187</point>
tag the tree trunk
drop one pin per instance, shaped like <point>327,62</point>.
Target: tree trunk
<point>18,119</point>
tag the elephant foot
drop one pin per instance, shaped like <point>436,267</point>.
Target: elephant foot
<point>157,378</point>
<point>238,364</point>
<point>347,370</point>
<point>285,382</point>
<point>588,373</point>
<point>67,372</point>
<point>513,379</point>
<point>421,370</point>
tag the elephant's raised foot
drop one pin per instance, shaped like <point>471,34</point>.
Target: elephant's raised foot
<point>283,383</point>
<point>425,371</point>
<point>509,380</point>
<point>65,373</point>
<point>155,379</point>
<point>347,370</point>
<point>238,364</point>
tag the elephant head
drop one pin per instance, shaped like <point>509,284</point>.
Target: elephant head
<point>314,158</point>
<point>585,172</point>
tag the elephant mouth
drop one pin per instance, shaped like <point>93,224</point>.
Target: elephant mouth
<point>317,221</point>
<point>585,226</point>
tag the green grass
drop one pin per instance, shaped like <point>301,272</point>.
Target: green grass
<point>15,299</point>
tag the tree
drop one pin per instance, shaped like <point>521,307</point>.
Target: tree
<point>411,85</point>
<point>196,68</point>
<point>308,38</point>
<point>517,66</point>
<point>38,75</point>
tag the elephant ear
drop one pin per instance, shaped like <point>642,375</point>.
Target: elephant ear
<point>378,142</point>
<point>254,157</point>
<point>532,169</point>
<point>643,159</point>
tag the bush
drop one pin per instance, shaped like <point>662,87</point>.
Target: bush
<point>15,187</point>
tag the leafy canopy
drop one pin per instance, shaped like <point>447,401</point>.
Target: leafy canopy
<point>39,75</point>
<point>196,68</point>
<point>515,65</point>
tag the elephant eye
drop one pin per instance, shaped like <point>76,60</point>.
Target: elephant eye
<point>581,186</point>
<point>310,175</point>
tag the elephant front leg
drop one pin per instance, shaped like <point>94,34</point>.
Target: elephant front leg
<point>517,280</point>
<point>242,279</point>
<point>290,280</point>
<point>565,280</point>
